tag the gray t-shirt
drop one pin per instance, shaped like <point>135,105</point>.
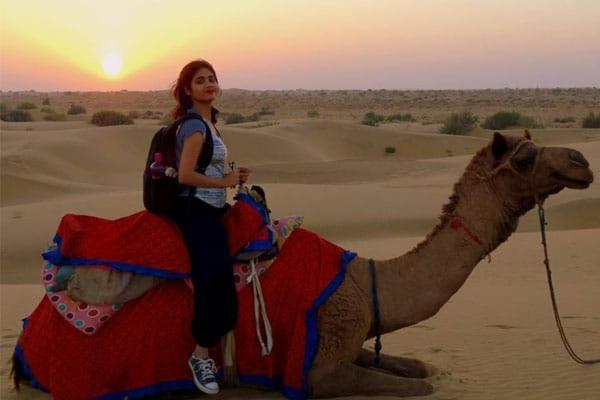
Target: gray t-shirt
<point>216,197</point>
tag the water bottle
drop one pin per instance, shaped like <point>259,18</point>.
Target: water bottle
<point>157,169</point>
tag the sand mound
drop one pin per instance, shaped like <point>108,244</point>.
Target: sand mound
<point>112,158</point>
<point>494,339</point>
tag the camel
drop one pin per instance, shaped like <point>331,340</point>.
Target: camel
<point>502,182</point>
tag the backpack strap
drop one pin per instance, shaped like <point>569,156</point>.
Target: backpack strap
<point>205,155</point>
<point>207,150</point>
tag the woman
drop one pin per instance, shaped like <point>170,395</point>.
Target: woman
<point>215,297</point>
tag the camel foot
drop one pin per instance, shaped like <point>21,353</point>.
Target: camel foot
<point>351,379</point>
<point>401,366</point>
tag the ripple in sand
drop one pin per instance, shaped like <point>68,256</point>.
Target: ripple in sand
<point>426,327</point>
<point>11,336</point>
<point>502,326</point>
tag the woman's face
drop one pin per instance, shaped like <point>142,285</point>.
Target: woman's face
<point>204,86</point>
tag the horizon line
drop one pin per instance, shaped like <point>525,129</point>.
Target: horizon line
<point>312,90</point>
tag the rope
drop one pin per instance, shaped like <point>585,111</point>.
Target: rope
<point>531,181</point>
<point>376,312</point>
<point>260,310</point>
<point>561,331</point>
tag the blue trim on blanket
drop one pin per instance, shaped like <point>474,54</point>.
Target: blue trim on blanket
<point>265,381</point>
<point>151,390</point>
<point>246,198</point>
<point>312,339</point>
<point>55,257</point>
<point>259,245</point>
<point>25,368</point>
<point>270,383</point>
<point>312,335</point>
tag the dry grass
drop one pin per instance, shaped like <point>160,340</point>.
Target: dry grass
<point>427,106</point>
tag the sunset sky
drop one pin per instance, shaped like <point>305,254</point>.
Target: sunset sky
<point>312,44</point>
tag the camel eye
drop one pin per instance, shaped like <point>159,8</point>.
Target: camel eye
<point>524,158</point>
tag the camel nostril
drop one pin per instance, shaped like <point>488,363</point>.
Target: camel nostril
<point>578,158</point>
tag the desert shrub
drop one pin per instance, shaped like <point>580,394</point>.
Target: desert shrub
<point>508,119</point>
<point>390,150</point>
<point>46,102</point>
<point>312,114</point>
<point>266,111</point>
<point>75,109</point>
<point>149,114</point>
<point>55,117</point>
<point>16,116</point>
<point>459,123</point>
<point>253,117</point>
<point>266,123</point>
<point>400,117</point>
<point>528,122</point>
<point>234,118</point>
<point>591,121</point>
<point>107,118</point>
<point>372,119</point>
<point>26,106</point>
<point>133,114</point>
<point>564,120</point>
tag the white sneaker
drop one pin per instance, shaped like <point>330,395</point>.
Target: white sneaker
<point>203,370</point>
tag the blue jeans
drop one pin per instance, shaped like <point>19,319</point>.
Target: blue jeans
<point>215,296</point>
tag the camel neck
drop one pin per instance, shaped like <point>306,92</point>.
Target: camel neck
<point>414,286</point>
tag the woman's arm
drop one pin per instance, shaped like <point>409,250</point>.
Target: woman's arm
<point>192,148</point>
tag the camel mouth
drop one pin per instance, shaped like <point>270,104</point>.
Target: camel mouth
<point>573,183</point>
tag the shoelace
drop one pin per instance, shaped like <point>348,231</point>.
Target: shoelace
<point>206,367</point>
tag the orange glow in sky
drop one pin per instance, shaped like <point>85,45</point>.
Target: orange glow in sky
<point>311,44</point>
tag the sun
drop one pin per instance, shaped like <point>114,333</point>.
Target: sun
<point>112,64</point>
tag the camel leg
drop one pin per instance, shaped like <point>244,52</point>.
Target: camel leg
<point>352,380</point>
<point>407,367</point>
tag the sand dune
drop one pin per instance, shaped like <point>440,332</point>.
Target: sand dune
<point>494,339</point>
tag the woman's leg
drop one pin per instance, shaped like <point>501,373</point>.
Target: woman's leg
<point>215,297</point>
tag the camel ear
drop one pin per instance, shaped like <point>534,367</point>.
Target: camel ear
<point>527,134</point>
<point>499,145</point>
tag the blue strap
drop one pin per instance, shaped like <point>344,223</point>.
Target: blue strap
<point>376,311</point>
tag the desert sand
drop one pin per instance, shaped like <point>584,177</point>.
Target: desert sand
<point>495,339</point>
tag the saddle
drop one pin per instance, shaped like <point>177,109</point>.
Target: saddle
<point>88,262</point>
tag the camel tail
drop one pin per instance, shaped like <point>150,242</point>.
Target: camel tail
<point>16,371</point>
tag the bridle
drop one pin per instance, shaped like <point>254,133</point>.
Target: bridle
<point>457,223</point>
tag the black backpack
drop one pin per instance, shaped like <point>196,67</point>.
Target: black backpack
<point>160,195</point>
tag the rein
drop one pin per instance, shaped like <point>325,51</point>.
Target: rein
<point>561,331</point>
<point>456,224</point>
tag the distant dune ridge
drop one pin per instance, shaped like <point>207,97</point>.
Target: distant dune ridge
<point>494,339</point>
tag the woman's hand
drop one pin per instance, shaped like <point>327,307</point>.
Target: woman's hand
<point>244,174</point>
<point>231,179</point>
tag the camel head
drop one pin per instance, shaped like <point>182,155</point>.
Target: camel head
<point>521,172</point>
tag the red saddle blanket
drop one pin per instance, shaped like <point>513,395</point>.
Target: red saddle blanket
<point>143,351</point>
<point>144,243</point>
<point>306,273</point>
